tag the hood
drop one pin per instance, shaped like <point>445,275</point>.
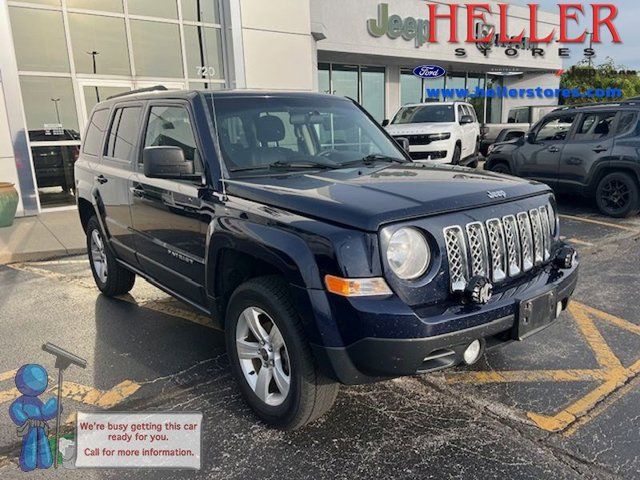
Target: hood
<point>419,128</point>
<point>368,197</point>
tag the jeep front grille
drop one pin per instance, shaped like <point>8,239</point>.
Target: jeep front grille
<point>499,248</point>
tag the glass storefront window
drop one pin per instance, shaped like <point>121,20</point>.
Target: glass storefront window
<point>456,82</point>
<point>40,43</point>
<point>53,3</point>
<point>156,49</point>
<point>99,44</point>
<point>50,108</point>
<point>474,82</point>
<point>410,88</point>
<point>345,81</point>
<point>324,78</point>
<point>494,105</point>
<point>54,174</point>
<point>431,86</point>
<point>154,8</point>
<point>101,5</point>
<point>203,46</point>
<point>93,95</point>
<point>373,91</point>
<point>201,11</point>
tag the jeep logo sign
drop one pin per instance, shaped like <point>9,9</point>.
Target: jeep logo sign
<point>394,26</point>
<point>497,194</point>
<point>429,71</point>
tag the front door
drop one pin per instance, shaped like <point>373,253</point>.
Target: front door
<point>590,144</point>
<point>168,220</point>
<point>539,157</point>
<point>113,178</point>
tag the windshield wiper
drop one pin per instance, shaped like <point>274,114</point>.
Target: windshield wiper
<point>376,157</point>
<point>284,165</point>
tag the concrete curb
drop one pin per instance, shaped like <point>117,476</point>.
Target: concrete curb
<point>7,258</point>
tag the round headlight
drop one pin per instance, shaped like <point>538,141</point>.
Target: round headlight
<point>408,253</point>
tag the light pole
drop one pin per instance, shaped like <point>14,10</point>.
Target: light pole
<point>55,103</point>
<point>93,54</point>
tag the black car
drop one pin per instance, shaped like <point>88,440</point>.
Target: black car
<point>590,150</point>
<point>307,234</point>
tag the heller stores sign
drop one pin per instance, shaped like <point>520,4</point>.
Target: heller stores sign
<point>480,21</point>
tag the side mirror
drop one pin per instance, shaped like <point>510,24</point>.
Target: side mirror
<point>466,119</point>
<point>530,137</point>
<point>404,143</point>
<point>385,122</point>
<point>167,163</point>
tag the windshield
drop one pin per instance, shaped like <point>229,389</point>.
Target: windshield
<point>264,132</point>
<point>425,114</point>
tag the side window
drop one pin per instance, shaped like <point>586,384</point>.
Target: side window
<point>95,132</point>
<point>555,129</point>
<point>171,126</point>
<point>627,120</point>
<point>461,112</point>
<point>594,126</point>
<point>512,116</point>
<point>522,115</point>
<point>123,134</point>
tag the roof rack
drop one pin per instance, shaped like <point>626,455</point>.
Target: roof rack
<point>629,101</point>
<point>155,88</point>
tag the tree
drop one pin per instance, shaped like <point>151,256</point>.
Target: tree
<point>607,75</point>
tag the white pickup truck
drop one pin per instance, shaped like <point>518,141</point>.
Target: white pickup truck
<point>519,121</point>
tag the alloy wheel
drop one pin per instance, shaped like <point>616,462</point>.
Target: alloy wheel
<point>99,256</point>
<point>615,195</point>
<point>263,356</point>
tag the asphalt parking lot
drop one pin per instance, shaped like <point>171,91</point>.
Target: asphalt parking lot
<point>564,404</point>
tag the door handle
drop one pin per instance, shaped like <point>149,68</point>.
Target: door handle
<point>101,179</point>
<point>137,192</point>
<point>600,149</point>
<point>553,149</point>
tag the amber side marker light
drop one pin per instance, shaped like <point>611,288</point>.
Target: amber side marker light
<point>357,287</point>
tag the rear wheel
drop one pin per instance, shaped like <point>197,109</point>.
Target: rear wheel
<point>271,359</point>
<point>617,195</point>
<point>111,278</point>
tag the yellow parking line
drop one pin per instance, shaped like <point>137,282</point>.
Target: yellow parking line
<point>7,375</point>
<point>604,355</point>
<point>526,376</point>
<point>579,242</point>
<point>601,223</point>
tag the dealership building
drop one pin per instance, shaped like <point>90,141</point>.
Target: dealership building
<point>60,57</point>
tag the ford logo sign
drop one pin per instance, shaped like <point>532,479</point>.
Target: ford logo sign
<point>429,71</point>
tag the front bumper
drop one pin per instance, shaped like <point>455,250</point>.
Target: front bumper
<point>440,151</point>
<point>373,358</point>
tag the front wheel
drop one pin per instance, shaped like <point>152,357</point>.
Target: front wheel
<point>271,359</point>
<point>617,195</point>
<point>457,153</point>
<point>111,278</point>
<point>500,167</point>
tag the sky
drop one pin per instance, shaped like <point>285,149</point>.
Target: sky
<point>627,53</point>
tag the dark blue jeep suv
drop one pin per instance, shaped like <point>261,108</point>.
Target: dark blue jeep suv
<point>309,236</point>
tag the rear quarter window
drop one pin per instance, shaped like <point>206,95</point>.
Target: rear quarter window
<point>95,132</point>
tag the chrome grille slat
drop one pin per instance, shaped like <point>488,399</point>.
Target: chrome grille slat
<point>546,232</point>
<point>538,238</point>
<point>478,249</point>
<point>512,238</point>
<point>499,248</point>
<point>457,255</point>
<point>526,240</point>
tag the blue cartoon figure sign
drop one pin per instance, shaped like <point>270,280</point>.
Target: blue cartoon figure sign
<point>31,415</point>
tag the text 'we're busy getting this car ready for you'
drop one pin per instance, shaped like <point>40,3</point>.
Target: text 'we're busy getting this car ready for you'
<point>301,228</point>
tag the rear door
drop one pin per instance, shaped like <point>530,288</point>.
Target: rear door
<point>167,216</point>
<point>589,145</point>
<point>539,157</point>
<point>113,177</point>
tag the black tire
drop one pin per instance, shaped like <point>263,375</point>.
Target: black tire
<point>500,167</point>
<point>118,280</point>
<point>617,195</point>
<point>310,394</point>
<point>457,153</point>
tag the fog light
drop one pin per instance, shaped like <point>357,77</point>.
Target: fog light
<point>565,258</point>
<point>472,353</point>
<point>479,290</point>
<point>558,309</point>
